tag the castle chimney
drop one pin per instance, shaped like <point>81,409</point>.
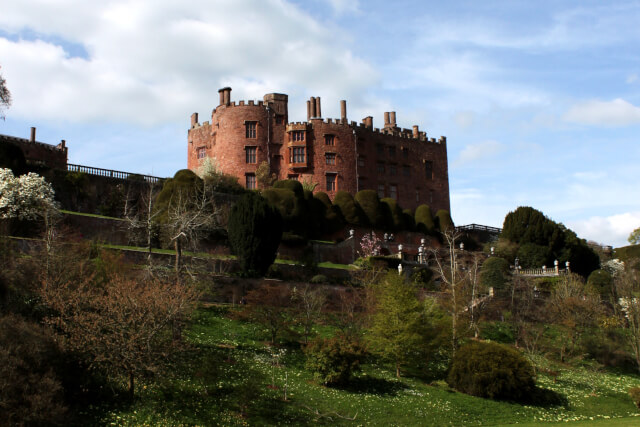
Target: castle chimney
<point>63,144</point>
<point>194,120</point>
<point>392,118</point>
<point>313,107</point>
<point>318,110</point>
<point>416,131</point>
<point>225,95</point>
<point>33,135</point>
<point>386,119</point>
<point>308,110</point>
<point>368,122</point>
<point>343,111</point>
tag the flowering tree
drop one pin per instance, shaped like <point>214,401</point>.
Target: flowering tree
<point>5,97</point>
<point>26,197</point>
<point>369,245</point>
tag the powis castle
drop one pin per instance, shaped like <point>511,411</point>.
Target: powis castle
<point>335,154</point>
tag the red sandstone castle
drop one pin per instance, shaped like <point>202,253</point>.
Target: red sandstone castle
<point>334,154</point>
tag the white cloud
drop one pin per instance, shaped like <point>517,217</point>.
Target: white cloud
<point>476,152</point>
<point>611,230</point>
<point>150,62</point>
<point>608,113</point>
<point>632,78</point>
<point>465,119</point>
<point>344,6</point>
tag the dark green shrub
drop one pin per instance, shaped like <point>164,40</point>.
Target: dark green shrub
<point>443,221</point>
<point>501,332</point>
<point>378,214</point>
<point>319,278</point>
<point>491,370</point>
<point>30,393</point>
<point>602,281</point>
<point>255,229</point>
<point>397,220</point>
<point>350,211</point>
<point>407,218</point>
<point>424,220</point>
<point>534,256</point>
<point>422,276</point>
<point>333,360</point>
<point>495,273</point>
<point>293,208</point>
<point>290,184</point>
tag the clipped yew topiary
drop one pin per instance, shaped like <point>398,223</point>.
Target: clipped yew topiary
<point>255,229</point>
<point>443,221</point>
<point>349,209</point>
<point>377,213</point>
<point>424,220</point>
<point>496,371</point>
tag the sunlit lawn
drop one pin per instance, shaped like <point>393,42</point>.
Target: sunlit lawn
<point>231,377</point>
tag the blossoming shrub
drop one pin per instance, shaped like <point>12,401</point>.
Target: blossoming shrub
<point>332,360</point>
<point>491,370</point>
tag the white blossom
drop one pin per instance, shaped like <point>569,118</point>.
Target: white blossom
<point>27,197</point>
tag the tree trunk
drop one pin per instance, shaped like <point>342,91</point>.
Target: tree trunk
<point>397,369</point>
<point>131,385</point>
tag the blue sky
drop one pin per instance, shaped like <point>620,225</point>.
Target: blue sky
<point>540,101</point>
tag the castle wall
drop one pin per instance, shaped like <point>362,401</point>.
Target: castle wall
<point>399,163</point>
<point>38,153</point>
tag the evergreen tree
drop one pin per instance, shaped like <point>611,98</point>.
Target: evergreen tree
<point>255,229</point>
<point>349,209</point>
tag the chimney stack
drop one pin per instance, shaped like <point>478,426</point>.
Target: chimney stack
<point>392,118</point>
<point>33,135</point>
<point>416,131</point>
<point>343,111</point>
<point>225,95</point>
<point>386,119</point>
<point>318,110</point>
<point>308,110</point>
<point>194,120</point>
<point>368,122</point>
<point>313,107</point>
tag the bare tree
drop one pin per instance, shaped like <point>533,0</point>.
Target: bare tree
<point>5,96</point>
<point>310,301</point>
<point>628,288</point>
<point>447,265</point>
<point>142,218</point>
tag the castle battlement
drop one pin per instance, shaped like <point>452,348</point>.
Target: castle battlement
<point>334,153</point>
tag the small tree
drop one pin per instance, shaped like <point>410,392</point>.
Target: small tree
<point>264,176</point>
<point>255,229</point>
<point>28,197</point>
<point>401,326</point>
<point>309,302</point>
<point>270,306</point>
<point>332,360</point>
<point>627,288</point>
<point>369,245</point>
<point>634,237</point>
<point>495,273</point>
<point>121,327</point>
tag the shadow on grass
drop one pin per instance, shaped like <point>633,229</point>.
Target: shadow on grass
<point>371,385</point>
<point>546,398</point>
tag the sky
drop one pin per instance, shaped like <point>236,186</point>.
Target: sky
<point>539,101</point>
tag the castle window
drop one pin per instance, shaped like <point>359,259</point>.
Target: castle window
<point>201,152</point>
<point>405,153</point>
<point>250,154</point>
<point>250,181</point>
<point>361,161</point>
<point>297,135</point>
<point>331,181</point>
<point>393,170</point>
<point>293,177</point>
<point>329,140</point>
<point>360,183</point>
<point>417,196</point>
<point>380,168</point>
<point>392,152</point>
<point>381,191</point>
<point>297,155</point>
<point>250,128</point>
<point>279,119</point>
<point>330,158</point>
<point>406,170</point>
<point>428,169</point>
<point>393,191</point>
<point>380,149</point>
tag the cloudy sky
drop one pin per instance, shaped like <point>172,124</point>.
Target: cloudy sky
<point>540,103</point>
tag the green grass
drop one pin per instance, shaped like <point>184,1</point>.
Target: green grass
<point>90,215</point>
<point>230,376</point>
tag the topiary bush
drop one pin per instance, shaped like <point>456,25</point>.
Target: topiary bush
<point>496,371</point>
<point>350,211</point>
<point>443,221</point>
<point>332,361</point>
<point>255,229</point>
<point>378,214</point>
<point>424,220</point>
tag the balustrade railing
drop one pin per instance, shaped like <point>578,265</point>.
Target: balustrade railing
<point>109,173</point>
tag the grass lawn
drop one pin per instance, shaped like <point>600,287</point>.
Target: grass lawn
<point>229,376</point>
